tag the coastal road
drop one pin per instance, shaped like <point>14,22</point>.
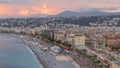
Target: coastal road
<point>50,60</point>
<point>83,61</point>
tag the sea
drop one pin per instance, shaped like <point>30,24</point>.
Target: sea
<point>15,54</point>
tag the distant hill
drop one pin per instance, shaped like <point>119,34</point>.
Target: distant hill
<point>73,13</point>
<point>94,13</point>
<point>39,15</point>
<point>68,14</point>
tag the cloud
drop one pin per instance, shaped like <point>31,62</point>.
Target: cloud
<point>29,7</point>
<point>42,9</point>
<point>106,1</point>
<point>88,9</point>
<point>10,10</point>
<point>16,1</point>
<point>4,2</point>
<point>6,11</point>
<point>24,12</point>
<point>110,8</point>
<point>98,9</point>
<point>39,9</point>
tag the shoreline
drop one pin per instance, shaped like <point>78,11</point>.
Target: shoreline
<point>46,59</point>
<point>26,43</point>
<point>34,52</point>
<point>30,48</point>
<point>36,56</point>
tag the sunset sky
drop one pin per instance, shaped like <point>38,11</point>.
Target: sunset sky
<point>50,7</point>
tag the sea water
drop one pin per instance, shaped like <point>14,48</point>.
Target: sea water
<point>14,54</point>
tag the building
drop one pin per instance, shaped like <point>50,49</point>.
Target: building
<point>48,33</point>
<point>100,43</point>
<point>78,40</point>
<point>90,42</point>
<point>69,37</point>
<point>59,35</point>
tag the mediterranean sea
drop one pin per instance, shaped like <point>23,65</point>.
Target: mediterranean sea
<point>15,54</point>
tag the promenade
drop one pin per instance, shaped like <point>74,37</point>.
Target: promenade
<point>48,59</point>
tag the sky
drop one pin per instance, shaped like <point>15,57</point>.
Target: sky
<point>52,7</point>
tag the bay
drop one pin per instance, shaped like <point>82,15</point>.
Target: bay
<point>14,54</point>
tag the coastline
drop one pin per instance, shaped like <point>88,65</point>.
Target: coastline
<point>34,52</point>
<point>38,57</point>
<point>29,45</point>
<point>26,44</point>
<point>47,59</point>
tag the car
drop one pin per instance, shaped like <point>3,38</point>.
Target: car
<point>68,52</point>
<point>45,49</point>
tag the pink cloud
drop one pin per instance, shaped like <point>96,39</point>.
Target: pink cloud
<point>54,6</point>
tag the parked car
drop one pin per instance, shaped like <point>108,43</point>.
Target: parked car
<point>45,49</point>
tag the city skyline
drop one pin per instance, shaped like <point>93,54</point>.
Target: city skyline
<point>47,7</point>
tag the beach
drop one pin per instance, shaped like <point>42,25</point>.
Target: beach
<point>47,58</point>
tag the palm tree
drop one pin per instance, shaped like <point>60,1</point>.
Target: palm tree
<point>59,42</point>
<point>69,46</point>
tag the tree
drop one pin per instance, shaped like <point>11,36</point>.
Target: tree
<point>69,46</point>
<point>59,42</point>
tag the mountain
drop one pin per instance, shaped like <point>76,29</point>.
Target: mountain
<point>94,13</point>
<point>73,13</point>
<point>38,15</point>
<point>68,13</point>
